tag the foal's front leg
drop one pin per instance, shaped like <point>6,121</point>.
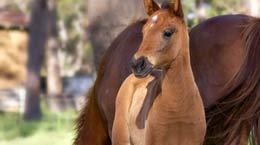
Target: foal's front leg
<point>120,131</point>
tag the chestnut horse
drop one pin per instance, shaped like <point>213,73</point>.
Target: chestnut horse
<point>225,56</point>
<point>175,115</point>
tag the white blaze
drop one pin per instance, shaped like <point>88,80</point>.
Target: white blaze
<point>154,20</point>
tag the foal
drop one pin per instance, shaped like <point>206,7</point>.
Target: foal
<point>166,110</point>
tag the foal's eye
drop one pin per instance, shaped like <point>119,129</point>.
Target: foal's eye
<point>167,34</point>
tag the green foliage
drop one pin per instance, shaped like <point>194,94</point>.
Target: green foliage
<point>220,7</point>
<point>68,10</point>
<point>52,129</point>
<point>213,8</point>
<point>72,13</point>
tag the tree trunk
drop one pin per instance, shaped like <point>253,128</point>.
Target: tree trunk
<point>54,82</point>
<point>107,18</point>
<point>37,40</point>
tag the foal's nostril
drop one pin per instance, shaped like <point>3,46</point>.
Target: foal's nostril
<point>141,64</point>
<point>141,67</point>
<point>138,65</point>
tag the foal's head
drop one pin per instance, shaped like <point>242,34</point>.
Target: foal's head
<point>164,35</point>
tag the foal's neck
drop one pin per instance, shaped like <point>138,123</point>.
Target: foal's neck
<point>178,82</point>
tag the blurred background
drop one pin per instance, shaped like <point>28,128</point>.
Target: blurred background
<point>50,51</point>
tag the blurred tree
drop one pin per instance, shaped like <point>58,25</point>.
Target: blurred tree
<point>54,82</point>
<point>107,18</point>
<point>75,53</point>
<point>199,10</point>
<point>37,40</point>
<point>220,7</point>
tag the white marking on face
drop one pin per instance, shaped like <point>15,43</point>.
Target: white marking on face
<point>154,20</point>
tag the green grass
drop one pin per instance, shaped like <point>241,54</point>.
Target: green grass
<point>53,129</point>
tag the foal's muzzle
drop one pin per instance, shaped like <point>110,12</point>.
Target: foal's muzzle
<point>141,67</point>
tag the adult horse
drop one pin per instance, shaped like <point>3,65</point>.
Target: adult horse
<point>225,56</point>
<point>161,110</point>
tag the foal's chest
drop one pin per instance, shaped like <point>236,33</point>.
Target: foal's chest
<point>139,110</point>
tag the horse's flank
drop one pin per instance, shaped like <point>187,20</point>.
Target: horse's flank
<point>239,110</point>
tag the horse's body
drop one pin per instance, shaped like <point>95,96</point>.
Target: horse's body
<point>225,56</point>
<point>167,109</point>
<point>226,68</point>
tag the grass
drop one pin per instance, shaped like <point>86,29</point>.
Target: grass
<point>53,129</point>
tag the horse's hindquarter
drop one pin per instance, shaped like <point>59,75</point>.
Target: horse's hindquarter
<point>131,111</point>
<point>215,62</point>
<point>220,68</point>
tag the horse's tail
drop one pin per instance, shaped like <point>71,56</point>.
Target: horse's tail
<point>237,113</point>
<point>91,129</point>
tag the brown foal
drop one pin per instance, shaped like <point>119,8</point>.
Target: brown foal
<point>164,109</point>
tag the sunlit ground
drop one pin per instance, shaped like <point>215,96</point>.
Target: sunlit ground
<point>53,129</point>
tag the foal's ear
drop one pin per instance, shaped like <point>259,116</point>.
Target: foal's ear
<point>174,6</point>
<point>150,7</point>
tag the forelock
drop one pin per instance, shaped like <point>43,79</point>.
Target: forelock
<point>165,5</point>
